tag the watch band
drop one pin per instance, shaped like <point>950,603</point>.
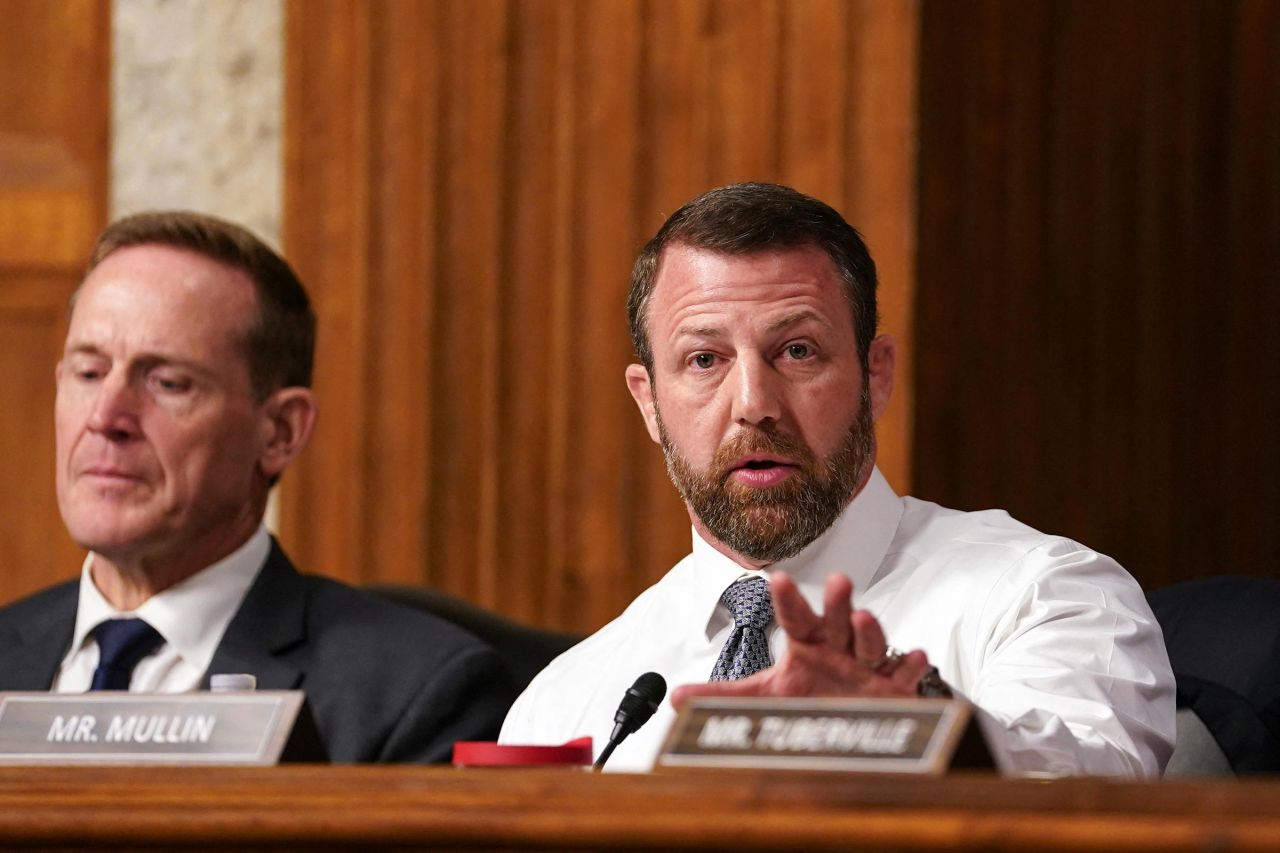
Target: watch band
<point>932,686</point>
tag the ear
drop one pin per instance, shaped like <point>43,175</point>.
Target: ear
<point>641,388</point>
<point>288,419</point>
<point>880,364</point>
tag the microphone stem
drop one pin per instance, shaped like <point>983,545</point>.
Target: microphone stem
<point>604,756</point>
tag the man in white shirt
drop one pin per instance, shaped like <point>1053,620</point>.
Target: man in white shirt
<point>183,394</point>
<point>753,314</point>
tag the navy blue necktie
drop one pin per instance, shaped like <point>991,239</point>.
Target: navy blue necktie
<point>746,652</point>
<point>121,644</point>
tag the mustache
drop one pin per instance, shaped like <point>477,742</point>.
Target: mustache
<point>752,440</point>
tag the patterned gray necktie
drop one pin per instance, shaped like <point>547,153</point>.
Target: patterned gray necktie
<point>746,652</point>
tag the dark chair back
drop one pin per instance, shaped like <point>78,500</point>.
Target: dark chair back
<point>1223,637</point>
<point>525,649</point>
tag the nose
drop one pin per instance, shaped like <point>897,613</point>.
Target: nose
<point>114,413</point>
<point>757,398</point>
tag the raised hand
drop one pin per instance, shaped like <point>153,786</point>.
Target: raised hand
<point>842,652</point>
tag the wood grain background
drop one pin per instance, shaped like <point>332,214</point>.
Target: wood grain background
<point>1100,275</point>
<point>53,202</point>
<point>1077,223</point>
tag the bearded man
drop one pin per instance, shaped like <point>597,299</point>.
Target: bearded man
<point>753,314</point>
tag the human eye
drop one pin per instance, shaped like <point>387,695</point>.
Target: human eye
<point>169,381</point>
<point>88,369</point>
<point>798,351</point>
<point>702,361</point>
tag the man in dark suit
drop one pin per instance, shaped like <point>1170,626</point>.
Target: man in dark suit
<point>182,396</point>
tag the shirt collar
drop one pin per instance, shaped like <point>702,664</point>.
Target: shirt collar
<point>855,545</point>
<point>191,615</point>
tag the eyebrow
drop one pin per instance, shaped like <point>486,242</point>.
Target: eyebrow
<point>794,319</point>
<point>84,349</point>
<point>146,360</point>
<point>699,332</point>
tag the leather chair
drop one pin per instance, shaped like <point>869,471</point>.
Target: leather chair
<point>1223,637</point>
<point>525,649</point>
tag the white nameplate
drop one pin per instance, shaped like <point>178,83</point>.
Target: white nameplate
<point>866,735</point>
<point>112,727</point>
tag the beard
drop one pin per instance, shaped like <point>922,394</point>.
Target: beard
<point>773,523</point>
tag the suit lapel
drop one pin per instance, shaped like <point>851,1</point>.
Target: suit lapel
<point>271,621</point>
<point>32,650</point>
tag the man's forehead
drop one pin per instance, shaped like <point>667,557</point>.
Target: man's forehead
<point>162,274</point>
<point>795,283</point>
<point>162,262</point>
<point>683,252</point>
<point>160,298</point>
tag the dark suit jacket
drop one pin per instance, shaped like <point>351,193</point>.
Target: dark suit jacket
<point>384,683</point>
<point>1223,637</point>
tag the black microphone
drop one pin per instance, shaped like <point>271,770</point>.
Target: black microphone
<point>638,705</point>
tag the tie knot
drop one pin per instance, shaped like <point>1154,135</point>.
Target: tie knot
<point>749,603</point>
<point>121,644</point>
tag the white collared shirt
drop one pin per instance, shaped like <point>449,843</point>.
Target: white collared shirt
<point>191,616</point>
<point>1053,642</point>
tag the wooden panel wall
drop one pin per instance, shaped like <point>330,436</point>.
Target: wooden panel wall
<point>467,184</point>
<point>1099,274</point>
<point>53,190</point>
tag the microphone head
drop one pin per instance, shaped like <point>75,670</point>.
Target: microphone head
<point>641,700</point>
<point>638,705</point>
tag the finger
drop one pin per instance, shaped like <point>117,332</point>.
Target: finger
<point>792,612</point>
<point>869,645</point>
<point>753,686</point>
<point>911,669</point>
<point>836,610</point>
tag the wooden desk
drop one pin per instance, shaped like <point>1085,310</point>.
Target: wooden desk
<point>378,807</point>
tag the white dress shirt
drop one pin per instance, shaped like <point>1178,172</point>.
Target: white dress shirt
<point>1053,642</point>
<point>191,616</point>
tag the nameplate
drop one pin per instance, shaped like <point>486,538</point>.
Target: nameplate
<point>147,728</point>
<point>923,736</point>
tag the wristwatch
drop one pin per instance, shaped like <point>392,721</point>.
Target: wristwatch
<point>932,686</point>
